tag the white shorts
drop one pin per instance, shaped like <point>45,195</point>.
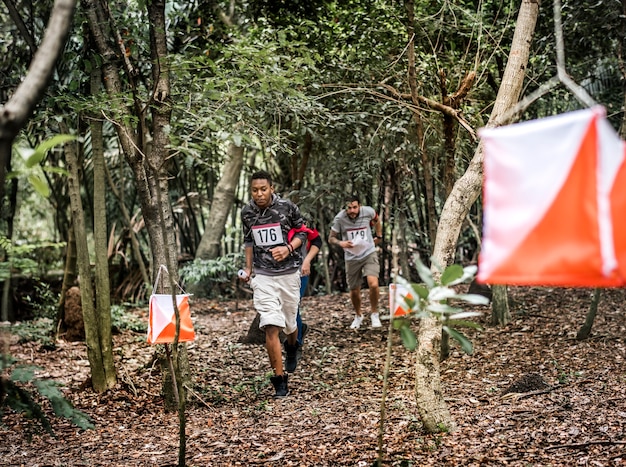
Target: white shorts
<point>276,299</point>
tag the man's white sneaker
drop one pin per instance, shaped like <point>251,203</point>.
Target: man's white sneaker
<point>356,324</point>
<point>375,320</point>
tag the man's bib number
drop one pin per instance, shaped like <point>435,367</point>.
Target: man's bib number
<point>356,234</point>
<point>268,235</point>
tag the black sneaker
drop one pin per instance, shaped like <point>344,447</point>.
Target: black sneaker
<point>293,354</point>
<point>280,385</point>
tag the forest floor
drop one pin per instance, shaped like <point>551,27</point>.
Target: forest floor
<point>576,417</point>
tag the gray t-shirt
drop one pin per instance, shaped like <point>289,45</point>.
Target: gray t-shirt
<point>358,231</point>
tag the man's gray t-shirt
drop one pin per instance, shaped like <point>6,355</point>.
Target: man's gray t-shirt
<point>358,231</point>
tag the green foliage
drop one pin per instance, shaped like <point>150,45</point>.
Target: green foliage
<point>44,302</point>
<point>29,259</point>
<point>16,396</point>
<point>39,330</point>
<point>121,320</point>
<point>214,276</point>
<point>220,269</point>
<point>34,169</point>
<point>433,297</point>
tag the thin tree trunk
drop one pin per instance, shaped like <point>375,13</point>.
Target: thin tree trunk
<point>70,278</point>
<point>306,155</point>
<point>324,258</point>
<point>100,230</point>
<point>426,162</point>
<point>403,244</point>
<point>585,330</point>
<point>92,335</point>
<point>223,199</point>
<point>135,247</point>
<point>431,405</point>
<point>150,167</point>
<point>500,312</point>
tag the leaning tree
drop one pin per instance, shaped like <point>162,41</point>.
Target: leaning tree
<point>429,394</point>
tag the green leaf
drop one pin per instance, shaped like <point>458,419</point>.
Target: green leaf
<point>469,272</point>
<point>464,342</point>
<point>464,314</point>
<point>438,294</point>
<point>55,170</point>
<point>408,338</point>
<point>40,185</point>
<point>442,308</point>
<point>473,299</point>
<point>424,273</point>
<point>6,361</point>
<point>43,148</point>
<point>61,405</point>
<point>452,273</point>
<point>21,401</point>
<point>398,323</point>
<point>420,290</point>
<point>11,175</point>
<point>23,374</point>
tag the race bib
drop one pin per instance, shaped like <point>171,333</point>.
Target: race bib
<point>357,234</point>
<point>268,235</point>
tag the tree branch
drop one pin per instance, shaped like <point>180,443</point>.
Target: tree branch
<point>21,26</point>
<point>15,113</point>
<point>587,444</point>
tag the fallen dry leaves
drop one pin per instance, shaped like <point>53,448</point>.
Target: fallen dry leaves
<point>332,415</point>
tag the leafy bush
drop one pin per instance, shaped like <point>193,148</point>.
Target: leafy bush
<point>30,259</point>
<point>212,277</point>
<point>433,299</point>
<point>40,330</point>
<point>122,319</point>
<point>44,301</point>
<point>14,395</point>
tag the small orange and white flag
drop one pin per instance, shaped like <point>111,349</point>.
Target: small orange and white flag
<point>397,303</point>
<point>554,202</point>
<point>162,320</point>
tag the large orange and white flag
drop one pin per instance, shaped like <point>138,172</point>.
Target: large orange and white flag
<point>554,202</point>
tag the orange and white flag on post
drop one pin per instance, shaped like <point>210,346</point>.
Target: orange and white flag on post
<point>162,320</point>
<point>162,315</point>
<point>554,200</point>
<point>397,303</point>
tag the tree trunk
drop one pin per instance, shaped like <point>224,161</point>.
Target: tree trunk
<point>324,256</point>
<point>254,335</point>
<point>159,216</point>
<point>100,230</point>
<point>223,198</point>
<point>432,407</point>
<point>426,162</point>
<point>70,278</point>
<point>15,113</point>
<point>585,330</point>
<point>500,312</point>
<point>99,378</point>
<point>150,167</point>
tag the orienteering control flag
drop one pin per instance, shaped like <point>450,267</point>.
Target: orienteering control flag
<point>554,202</point>
<point>162,320</point>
